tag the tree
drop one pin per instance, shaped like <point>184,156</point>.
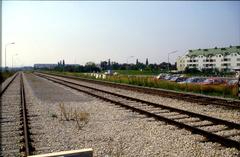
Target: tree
<point>191,70</point>
<point>137,62</point>
<point>147,62</point>
<point>91,67</point>
<point>141,66</point>
<point>115,66</point>
<point>164,65</point>
<point>104,65</point>
<point>109,64</point>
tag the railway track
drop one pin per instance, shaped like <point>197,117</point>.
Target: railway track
<point>194,98</point>
<point>213,129</point>
<point>15,134</point>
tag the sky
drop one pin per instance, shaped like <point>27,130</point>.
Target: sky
<point>82,31</point>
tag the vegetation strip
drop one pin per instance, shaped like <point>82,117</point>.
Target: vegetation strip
<point>209,135</point>
<point>4,75</point>
<point>196,98</point>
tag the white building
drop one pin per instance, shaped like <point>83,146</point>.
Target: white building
<point>227,58</point>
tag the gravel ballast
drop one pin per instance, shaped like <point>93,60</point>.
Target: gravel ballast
<point>109,130</point>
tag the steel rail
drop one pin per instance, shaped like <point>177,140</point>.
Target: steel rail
<point>196,98</point>
<point>213,137</point>
<point>26,149</point>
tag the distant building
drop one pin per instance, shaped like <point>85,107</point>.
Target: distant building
<point>50,66</point>
<point>72,64</point>
<point>227,58</point>
<point>45,66</point>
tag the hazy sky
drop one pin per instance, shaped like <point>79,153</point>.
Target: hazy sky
<point>78,31</point>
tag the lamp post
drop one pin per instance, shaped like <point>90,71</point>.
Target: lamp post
<point>168,57</point>
<point>6,53</point>
<point>12,59</point>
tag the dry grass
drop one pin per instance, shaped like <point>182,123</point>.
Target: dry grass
<point>64,113</point>
<point>81,118</point>
<point>68,113</point>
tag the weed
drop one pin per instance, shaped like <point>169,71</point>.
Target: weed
<point>81,118</point>
<point>53,115</point>
<point>64,112</point>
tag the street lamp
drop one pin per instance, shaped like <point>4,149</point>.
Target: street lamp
<point>168,57</point>
<point>6,53</point>
<point>12,59</point>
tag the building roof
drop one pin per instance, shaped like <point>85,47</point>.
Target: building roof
<point>214,51</point>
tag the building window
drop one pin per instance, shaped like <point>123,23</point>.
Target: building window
<point>225,64</point>
<point>226,59</point>
<point>238,64</point>
<point>238,59</point>
<point>209,60</point>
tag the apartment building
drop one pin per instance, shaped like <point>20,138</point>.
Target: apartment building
<point>226,58</point>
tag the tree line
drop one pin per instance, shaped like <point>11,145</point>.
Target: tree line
<point>112,65</point>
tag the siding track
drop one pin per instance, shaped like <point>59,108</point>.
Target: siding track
<point>194,98</point>
<point>227,133</point>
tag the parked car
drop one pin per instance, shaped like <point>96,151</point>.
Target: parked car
<point>168,77</point>
<point>177,79</point>
<point>213,81</point>
<point>173,79</point>
<point>161,76</point>
<point>194,80</point>
<point>181,79</point>
<point>232,82</point>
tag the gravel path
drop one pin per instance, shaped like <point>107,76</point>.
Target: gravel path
<point>108,129</point>
<point>10,120</point>
<point>211,110</point>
